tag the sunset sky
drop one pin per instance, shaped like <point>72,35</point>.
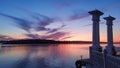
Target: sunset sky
<point>55,19</point>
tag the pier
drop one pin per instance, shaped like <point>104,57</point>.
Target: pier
<point>100,58</point>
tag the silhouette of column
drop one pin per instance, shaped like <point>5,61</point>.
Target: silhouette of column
<point>95,38</point>
<point>110,48</point>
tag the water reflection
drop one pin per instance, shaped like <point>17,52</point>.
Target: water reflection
<point>42,56</point>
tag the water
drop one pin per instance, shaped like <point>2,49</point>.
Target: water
<point>42,56</point>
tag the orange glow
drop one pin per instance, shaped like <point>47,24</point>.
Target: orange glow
<point>86,36</point>
<point>80,37</point>
<point>19,36</point>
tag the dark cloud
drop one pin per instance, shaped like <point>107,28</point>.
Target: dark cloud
<point>56,36</point>
<point>41,28</point>
<point>41,24</point>
<point>28,25</point>
<point>55,29</point>
<point>33,36</point>
<point>21,23</point>
<point>4,37</point>
<point>42,20</point>
<point>53,36</point>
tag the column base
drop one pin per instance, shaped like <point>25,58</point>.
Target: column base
<point>96,48</point>
<point>110,50</point>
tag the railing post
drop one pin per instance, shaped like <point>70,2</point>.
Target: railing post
<point>104,58</point>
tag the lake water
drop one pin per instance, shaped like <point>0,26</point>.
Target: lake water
<point>42,55</point>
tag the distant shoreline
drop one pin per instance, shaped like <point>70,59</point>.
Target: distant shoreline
<point>38,41</point>
<point>42,41</point>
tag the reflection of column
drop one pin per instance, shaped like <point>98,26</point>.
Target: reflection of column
<point>95,39</point>
<point>110,47</point>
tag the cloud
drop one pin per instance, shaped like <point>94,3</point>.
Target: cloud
<point>56,36</point>
<point>41,24</point>
<point>52,36</point>
<point>4,37</point>
<point>27,25</point>
<point>21,23</point>
<point>55,29</point>
<point>33,36</point>
<point>66,37</point>
<point>78,16</point>
<point>87,25</point>
<point>40,28</point>
<point>92,24</point>
<point>42,20</point>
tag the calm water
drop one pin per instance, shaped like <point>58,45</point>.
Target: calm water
<point>42,56</point>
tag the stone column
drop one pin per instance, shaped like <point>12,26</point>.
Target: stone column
<point>110,48</point>
<point>96,37</point>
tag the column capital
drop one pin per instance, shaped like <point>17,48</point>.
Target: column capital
<point>96,15</point>
<point>109,20</point>
<point>96,12</point>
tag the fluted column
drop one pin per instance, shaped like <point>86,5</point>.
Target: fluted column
<point>95,34</point>
<point>110,48</point>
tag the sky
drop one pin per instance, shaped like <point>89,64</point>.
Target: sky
<point>56,19</point>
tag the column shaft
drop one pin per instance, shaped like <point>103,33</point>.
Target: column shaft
<point>96,36</point>
<point>110,48</point>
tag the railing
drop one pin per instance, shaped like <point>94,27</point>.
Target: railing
<point>101,60</point>
<point>96,58</point>
<point>112,61</point>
